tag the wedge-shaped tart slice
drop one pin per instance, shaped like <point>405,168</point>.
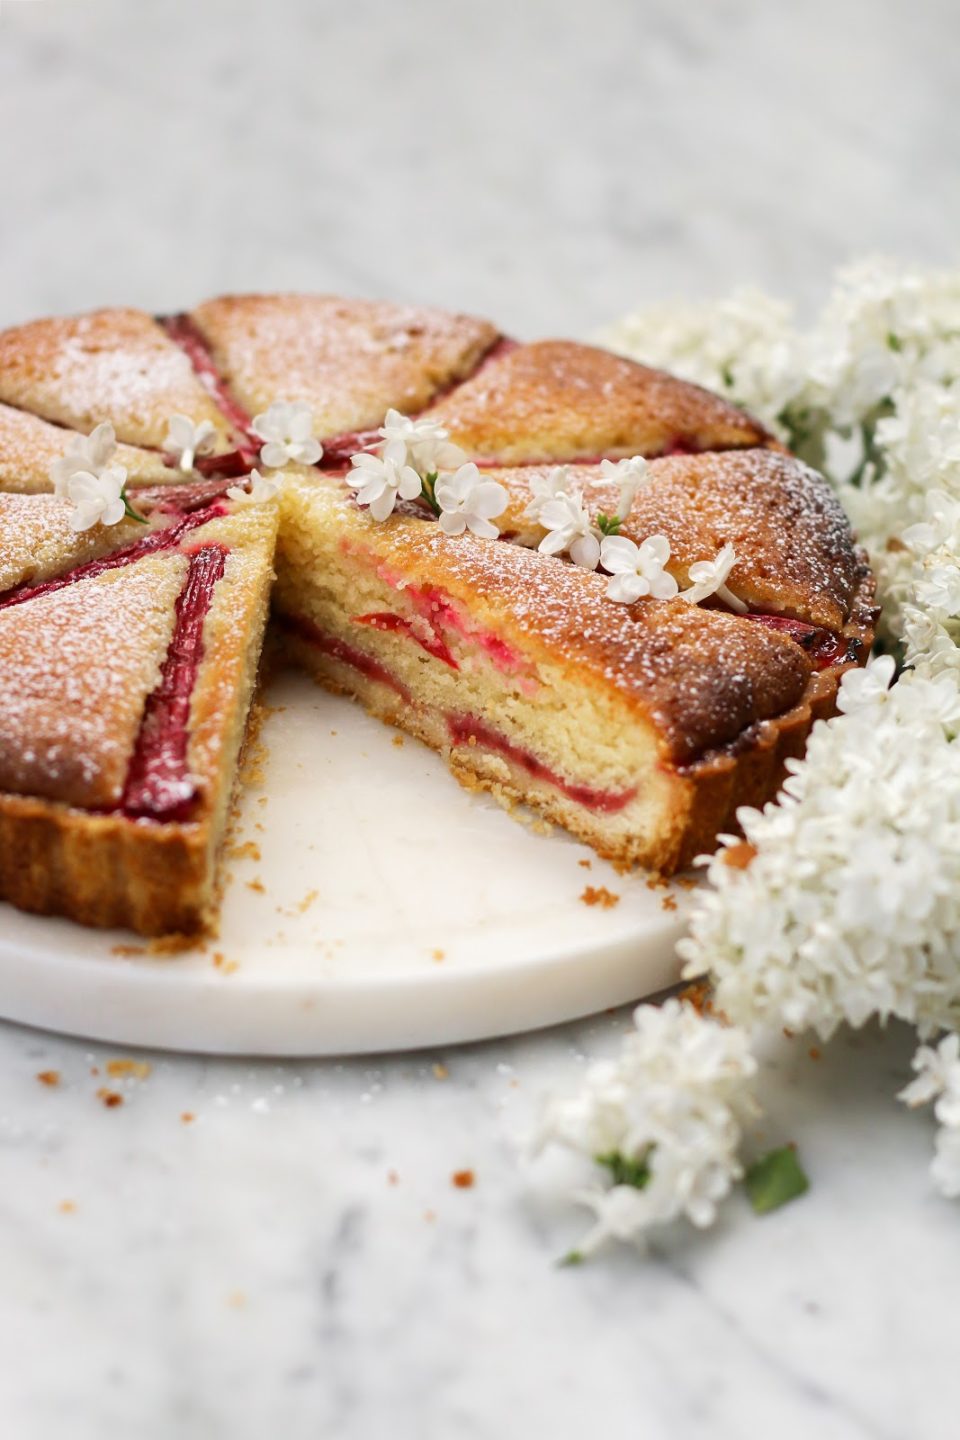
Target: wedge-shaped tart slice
<point>796,555</point>
<point>117,365</point>
<point>127,673</point>
<point>29,446</point>
<point>558,400</point>
<point>640,728</point>
<point>349,360</point>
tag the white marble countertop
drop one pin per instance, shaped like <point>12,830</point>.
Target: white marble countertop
<point>295,1260</point>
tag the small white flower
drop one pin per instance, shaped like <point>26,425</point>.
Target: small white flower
<point>96,499</point>
<point>380,480</point>
<point>427,447</point>
<point>544,488</point>
<point>710,578</point>
<point>258,490</point>
<point>87,454</point>
<point>185,440</point>
<point>637,570</point>
<point>673,1100</point>
<point>469,502</point>
<point>569,528</point>
<point>287,427</point>
<point>629,475</point>
<point>862,689</point>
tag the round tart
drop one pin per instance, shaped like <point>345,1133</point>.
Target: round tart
<point>129,653</point>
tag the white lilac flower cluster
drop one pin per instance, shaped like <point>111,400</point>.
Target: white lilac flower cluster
<point>849,904</point>
<point>88,479</point>
<point>416,460</point>
<point>635,570</point>
<point>664,1121</point>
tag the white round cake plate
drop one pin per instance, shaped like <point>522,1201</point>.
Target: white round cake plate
<point>371,904</point>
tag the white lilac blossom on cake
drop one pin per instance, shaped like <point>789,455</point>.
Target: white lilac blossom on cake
<point>256,489</point>
<point>840,903</point>
<point>286,429</point>
<point>185,440</point>
<point>95,488</point>
<point>417,461</point>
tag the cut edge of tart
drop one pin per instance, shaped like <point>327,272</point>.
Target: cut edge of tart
<point>141,852</point>
<point>641,729</point>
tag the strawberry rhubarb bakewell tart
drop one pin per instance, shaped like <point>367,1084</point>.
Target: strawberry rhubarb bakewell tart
<point>594,588</point>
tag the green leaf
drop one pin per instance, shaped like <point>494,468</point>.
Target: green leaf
<point>894,342</point>
<point>129,510</point>
<point>608,524</point>
<point>775,1179</point>
<point>572,1257</point>
<point>626,1170</point>
<point>428,484</point>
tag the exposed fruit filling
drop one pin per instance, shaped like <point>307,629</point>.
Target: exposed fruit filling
<point>159,785</point>
<point>823,646</point>
<point>184,333</point>
<point>340,650</point>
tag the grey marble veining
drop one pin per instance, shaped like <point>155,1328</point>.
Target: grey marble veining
<point>258,1270</point>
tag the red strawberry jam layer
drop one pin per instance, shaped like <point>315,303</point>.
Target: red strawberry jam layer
<point>184,333</point>
<point>340,650</point>
<point>159,785</point>
<point>151,544</point>
<point>823,646</point>
<point>468,730</point>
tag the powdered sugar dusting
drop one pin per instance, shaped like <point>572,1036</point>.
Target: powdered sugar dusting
<point>795,550</point>
<point>85,659</point>
<point>116,365</point>
<point>349,360</point>
<point>558,400</point>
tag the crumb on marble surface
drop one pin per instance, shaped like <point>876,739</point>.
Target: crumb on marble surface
<point>110,1098</point>
<point>187,1117</point>
<point>600,895</point>
<point>50,1078</point>
<point>257,886</point>
<point>669,902</point>
<point>585,864</point>
<point>438,955</point>
<point>122,1067</point>
<point>463,1179</point>
<point>440,1072</point>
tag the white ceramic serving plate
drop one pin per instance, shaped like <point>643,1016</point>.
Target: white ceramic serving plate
<point>383,908</point>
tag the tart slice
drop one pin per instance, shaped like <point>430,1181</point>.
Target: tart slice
<point>349,360</point>
<point>558,400</point>
<point>640,728</point>
<point>128,671</point>
<point>118,365</point>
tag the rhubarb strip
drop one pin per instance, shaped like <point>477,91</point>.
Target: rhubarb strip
<point>159,785</point>
<point>151,544</point>
<point>468,730</point>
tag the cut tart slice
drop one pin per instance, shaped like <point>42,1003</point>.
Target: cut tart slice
<point>349,360</point>
<point>640,729</point>
<point>118,365</point>
<point>558,400</point>
<point>128,672</point>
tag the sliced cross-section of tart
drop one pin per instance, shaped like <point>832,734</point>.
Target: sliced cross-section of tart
<point>349,360</point>
<point>118,365</point>
<point>558,400</point>
<point>128,667</point>
<point>640,728</point>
